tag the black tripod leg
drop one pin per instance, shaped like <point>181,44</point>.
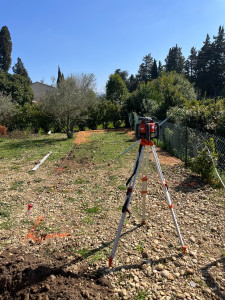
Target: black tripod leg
<point>127,201</point>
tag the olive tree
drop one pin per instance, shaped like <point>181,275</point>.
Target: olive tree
<point>71,101</point>
<point>7,110</point>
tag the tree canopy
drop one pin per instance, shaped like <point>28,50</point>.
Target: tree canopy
<point>175,60</point>
<point>71,101</point>
<point>116,89</point>
<point>19,68</point>
<point>17,86</point>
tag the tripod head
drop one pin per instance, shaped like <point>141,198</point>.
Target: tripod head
<point>147,129</point>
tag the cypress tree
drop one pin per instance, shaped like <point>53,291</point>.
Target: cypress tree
<point>154,70</point>
<point>160,68</point>
<point>5,49</point>
<point>60,76</point>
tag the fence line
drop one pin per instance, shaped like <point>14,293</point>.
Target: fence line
<point>185,143</point>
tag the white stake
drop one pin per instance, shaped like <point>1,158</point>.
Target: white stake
<point>41,161</point>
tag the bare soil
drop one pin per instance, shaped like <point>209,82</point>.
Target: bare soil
<point>66,255</point>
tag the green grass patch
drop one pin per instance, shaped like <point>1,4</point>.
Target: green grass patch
<point>93,210</point>
<point>16,185</point>
<point>4,214</point>
<point>104,150</point>
<point>34,147</point>
<point>6,225</point>
<point>122,187</point>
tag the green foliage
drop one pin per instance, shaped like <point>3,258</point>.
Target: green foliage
<point>175,60</point>
<point>7,110</point>
<point>203,164</point>
<point>145,69</point>
<point>17,86</point>
<point>205,115</point>
<point>71,101</point>
<point>109,111</point>
<point>19,68</point>
<point>5,49</point>
<point>116,89</point>
<point>156,97</point>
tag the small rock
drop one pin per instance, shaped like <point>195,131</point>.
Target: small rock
<point>148,271</point>
<point>170,277</point>
<point>47,287</point>
<point>156,242</point>
<point>159,267</point>
<point>123,292</point>
<point>192,239</point>
<point>193,284</point>
<point>190,271</point>
<point>52,277</point>
<point>165,273</point>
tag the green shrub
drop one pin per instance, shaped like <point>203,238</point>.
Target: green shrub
<point>203,164</point>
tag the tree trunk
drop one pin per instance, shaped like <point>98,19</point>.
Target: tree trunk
<point>69,128</point>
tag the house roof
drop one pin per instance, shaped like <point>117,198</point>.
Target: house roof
<point>39,89</point>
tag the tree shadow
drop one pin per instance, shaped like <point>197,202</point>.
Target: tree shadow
<point>210,281</point>
<point>32,143</point>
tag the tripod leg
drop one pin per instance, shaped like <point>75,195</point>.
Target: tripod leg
<point>127,202</point>
<point>165,188</point>
<point>144,180</point>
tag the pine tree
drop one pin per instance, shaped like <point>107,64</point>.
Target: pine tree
<point>203,66</point>
<point>5,49</point>
<point>217,68</point>
<point>144,72</point>
<point>175,60</point>
<point>60,76</point>
<point>19,68</point>
<point>154,70</point>
<point>190,65</point>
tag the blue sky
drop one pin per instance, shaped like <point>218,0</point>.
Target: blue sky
<point>100,36</point>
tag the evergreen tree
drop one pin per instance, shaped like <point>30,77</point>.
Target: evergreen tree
<point>154,70</point>
<point>175,60</point>
<point>144,72</point>
<point>203,66</point>
<point>160,68</point>
<point>132,84</point>
<point>217,68</point>
<point>60,76</point>
<point>19,68</point>
<point>5,49</point>
<point>190,65</point>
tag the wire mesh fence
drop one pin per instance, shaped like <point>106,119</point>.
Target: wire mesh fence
<point>186,143</point>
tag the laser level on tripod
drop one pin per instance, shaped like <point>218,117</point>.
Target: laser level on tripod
<point>146,131</point>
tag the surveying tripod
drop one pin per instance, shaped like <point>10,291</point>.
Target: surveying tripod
<point>146,131</point>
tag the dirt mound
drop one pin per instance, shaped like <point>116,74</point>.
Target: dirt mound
<point>25,276</point>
